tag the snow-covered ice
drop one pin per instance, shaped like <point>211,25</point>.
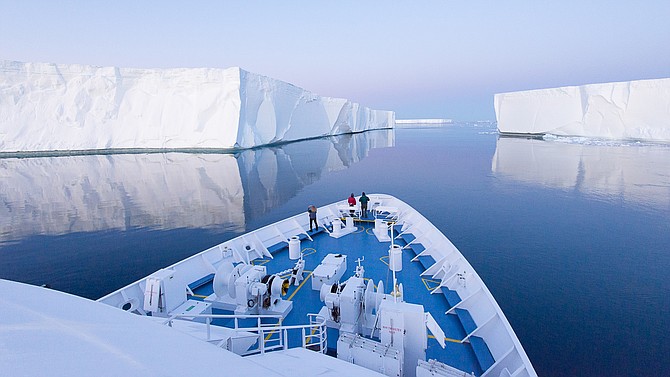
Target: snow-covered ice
<point>46,107</point>
<point>621,110</point>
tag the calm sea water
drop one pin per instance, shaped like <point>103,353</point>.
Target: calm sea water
<point>571,236</point>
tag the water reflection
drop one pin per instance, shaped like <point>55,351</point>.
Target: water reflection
<point>634,173</point>
<point>58,195</point>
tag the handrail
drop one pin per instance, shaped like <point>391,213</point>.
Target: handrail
<point>265,333</point>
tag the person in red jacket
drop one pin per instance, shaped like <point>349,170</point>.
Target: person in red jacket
<point>352,203</point>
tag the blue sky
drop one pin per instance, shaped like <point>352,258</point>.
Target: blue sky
<point>422,59</point>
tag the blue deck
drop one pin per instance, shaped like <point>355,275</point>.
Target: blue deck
<point>361,244</point>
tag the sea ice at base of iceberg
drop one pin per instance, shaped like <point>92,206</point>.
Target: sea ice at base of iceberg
<point>58,107</point>
<point>601,142</point>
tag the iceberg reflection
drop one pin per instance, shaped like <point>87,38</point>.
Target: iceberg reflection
<point>634,173</point>
<point>58,195</point>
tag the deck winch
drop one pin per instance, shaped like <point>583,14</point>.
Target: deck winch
<point>344,304</point>
<point>249,289</point>
<point>351,306</point>
<point>297,272</point>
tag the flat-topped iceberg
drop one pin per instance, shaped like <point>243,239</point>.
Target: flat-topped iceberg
<point>621,110</point>
<point>57,107</point>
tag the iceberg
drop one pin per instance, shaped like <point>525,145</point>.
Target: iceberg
<point>621,110</point>
<point>58,107</point>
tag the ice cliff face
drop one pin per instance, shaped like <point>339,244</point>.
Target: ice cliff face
<point>45,107</point>
<point>622,110</point>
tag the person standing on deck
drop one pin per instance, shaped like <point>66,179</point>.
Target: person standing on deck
<point>352,203</point>
<point>364,205</point>
<point>312,217</point>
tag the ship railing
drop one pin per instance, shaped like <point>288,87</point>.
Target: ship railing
<point>264,336</point>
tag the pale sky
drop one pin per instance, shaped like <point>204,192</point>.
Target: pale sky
<point>421,59</point>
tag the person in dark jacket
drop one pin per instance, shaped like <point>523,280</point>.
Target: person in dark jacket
<point>364,204</point>
<point>311,210</point>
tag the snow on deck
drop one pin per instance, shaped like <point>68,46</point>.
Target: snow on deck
<point>45,332</point>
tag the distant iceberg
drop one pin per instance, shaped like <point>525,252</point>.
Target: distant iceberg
<point>57,107</point>
<point>423,121</point>
<point>622,110</point>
